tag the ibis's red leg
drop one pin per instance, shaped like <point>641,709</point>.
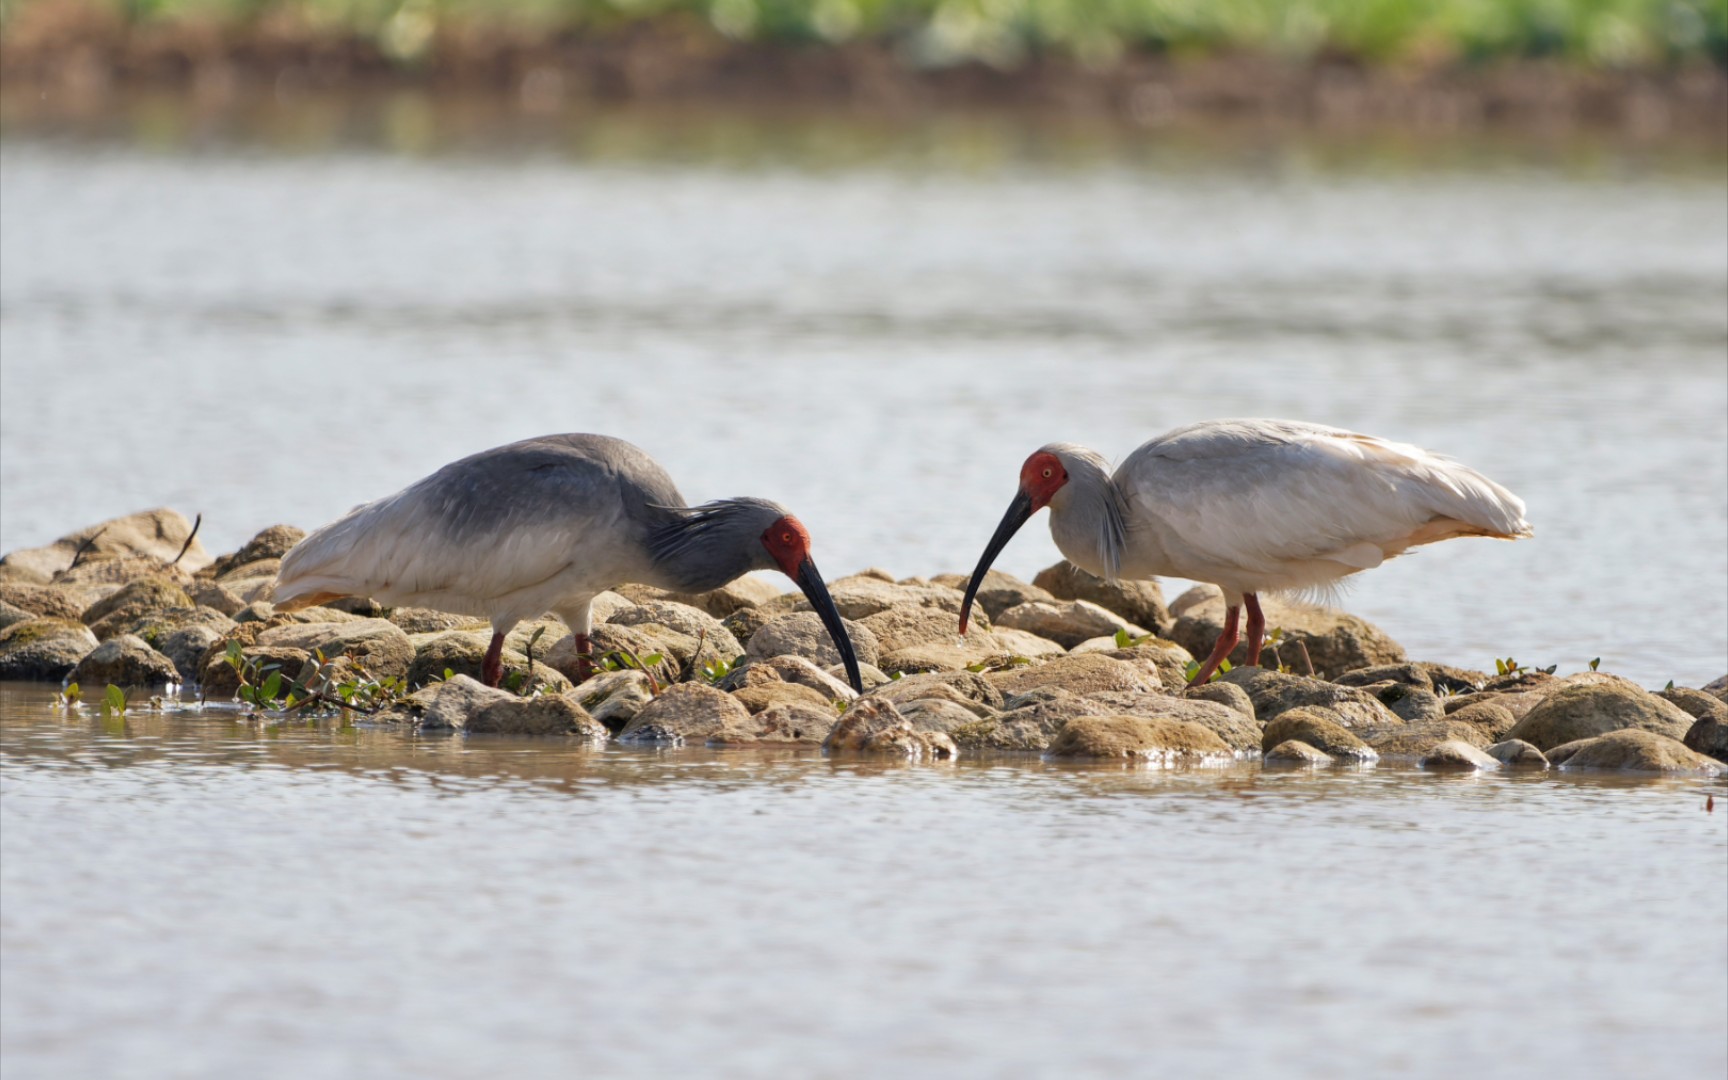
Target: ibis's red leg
<point>1226,641</point>
<point>1256,629</point>
<point>492,668</point>
<point>584,664</point>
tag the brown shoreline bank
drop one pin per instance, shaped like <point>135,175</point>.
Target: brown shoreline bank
<point>88,56</point>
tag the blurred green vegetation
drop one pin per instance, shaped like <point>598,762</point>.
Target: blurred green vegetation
<point>1588,33</point>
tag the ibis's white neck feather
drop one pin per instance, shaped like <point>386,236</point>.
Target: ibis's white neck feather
<point>1087,518</point>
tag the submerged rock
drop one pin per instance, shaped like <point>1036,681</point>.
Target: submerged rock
<point>1157,740</point>
<point>1518,754</point>
<point>1336,642</point>
<point>1585,710</point>
<point>874,726</point>
<point>1458,756</point>
<point>43,649</point>
<point>1708,737</point>
<point>685,713</point>
<point>1029,721</point>
<point>1419,740</point>
<point>1297,752</point>
<point>777,725</point>
<point>124,660</point>
<point>1317,726</point>
<point>464,704</point>
<point>1639,750</point>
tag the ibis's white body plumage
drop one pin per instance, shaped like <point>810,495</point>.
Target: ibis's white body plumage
<point>1258,506</point>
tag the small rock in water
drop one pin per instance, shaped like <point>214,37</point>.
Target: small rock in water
<point>1273,693</point>
<point>1587,709</point>
<point>125,660</point>
<point>1317,727</point>
<point>43,649</point>
<point>1709,737</point>
<point>777,725</point>
<point>779,692</point>
<point>1154,740</point>
<point>1457,755</point>
<point>1296,752</point>
<point>1227,694</point>
<point>874,726</point>
<point>1420,740</point>
<point>1518,754</point>
<point>1636,750</point>
<point>685,713</point>
<point>1493,719</point>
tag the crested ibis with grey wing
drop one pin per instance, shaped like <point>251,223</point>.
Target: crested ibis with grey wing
<point>543,525</point>
<point>1250,506</point>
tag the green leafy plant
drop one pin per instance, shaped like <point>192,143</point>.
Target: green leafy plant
<point>717,669</point>
<point>1595,663</point>
<point>113,701</point>
<point>1193,666</point>
<point>71,695</point>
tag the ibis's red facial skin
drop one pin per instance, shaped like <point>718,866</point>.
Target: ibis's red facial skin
<point>1040,478</point>
<point>788,541</point>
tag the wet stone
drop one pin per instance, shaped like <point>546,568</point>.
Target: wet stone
<point>1273,693</point>
<point>1490,717</point>
<point>1708,737</point>
<point>133,601</point>
<point>1587,709</point>
<point>614,697</point>
<point>1518,754</point>
<point>780,692</point>
<point>381,648</point>
<point>124,660</point>
<point>1412,704</point>
<point>1696,704</point>
<point>777,725</point>
<point>1455,755</point>
<point>1158,741</point>
<point>975,692</point>
<point>1318,727</point>
<point>684,713</point>
<point>1239,732</point>
<point>1029,722</point>
<point>1637,750</point>
<point>1419,740</point>
<point>1296,752</point>
<point>43,649</point>
<point>875,726</point>
<point>1226,694</point>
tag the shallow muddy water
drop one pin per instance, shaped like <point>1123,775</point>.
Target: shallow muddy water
<point>196,895</point>
<point>875,324</point>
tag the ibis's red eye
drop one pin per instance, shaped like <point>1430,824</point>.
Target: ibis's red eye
<point>1046,474</point>
<point>786,538</point>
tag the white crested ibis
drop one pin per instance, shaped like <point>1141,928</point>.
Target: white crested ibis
<point>1251,506</point>
<point>544,525</point>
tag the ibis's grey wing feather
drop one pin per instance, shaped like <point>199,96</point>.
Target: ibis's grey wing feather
<point>491,525</point>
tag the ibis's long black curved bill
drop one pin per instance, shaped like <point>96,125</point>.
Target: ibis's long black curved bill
<point>1018,511</point>
<point>810,581</point>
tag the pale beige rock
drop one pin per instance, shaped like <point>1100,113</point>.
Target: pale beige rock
<point>1297,752</point>
<point>1639,750</point>
<point>124,660</point>
<point>685,713</point>
<point>802,634</point>
<point>1155,741</point>
<point>1455,755</point>
<point>1140,603</point>
<point>1518,754</point>
<point>998,591</point>
<point>874,726</point>
<point>1067,622</point>
<point>1318,727</point>
<point>777,725</point>
<point>1587,709</point>
<point>156,535</point>
<point>1273,693</point>
<point>1083,674</point>
<point>43,649</point>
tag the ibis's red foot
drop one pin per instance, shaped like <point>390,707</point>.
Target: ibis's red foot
<point>1226,641</point>
<point>492,668</point>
